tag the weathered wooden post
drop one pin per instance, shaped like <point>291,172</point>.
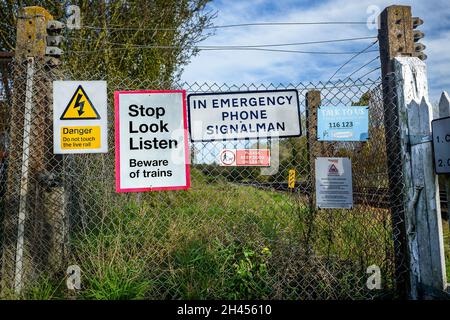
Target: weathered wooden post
<point>34,221</point>
<point>395,36</point>
<point>422,204</point>
<point>313,101</point>
<point>444,111</point>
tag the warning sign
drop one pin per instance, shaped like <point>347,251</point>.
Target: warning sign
<point>80,107</point>
<point>152,150</point>
<point>291,179</point>
<point>80,137</point>
<point>79,117</point>
<point>245,157</point>
<point>334,183</point>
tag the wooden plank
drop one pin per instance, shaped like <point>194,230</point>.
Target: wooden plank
<point>444,111</point>
<point>422,204</point>
<point>24,181</point>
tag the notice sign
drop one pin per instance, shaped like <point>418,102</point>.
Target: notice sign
<point>291,179</point>
<point>243,115</point>
<point>151,141</point>
<point>245,157</point>
<point>334,183</point>
<point>343,123</point>
<point>80,117</point>
<point>441,145</point>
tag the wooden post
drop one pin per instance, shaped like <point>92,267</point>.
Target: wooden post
<point>422,205</point>
<point>313,101</point>
<point>395,39</point>
<point>34,221</point>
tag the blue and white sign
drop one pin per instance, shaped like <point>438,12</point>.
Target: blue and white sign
<point>343,123</point>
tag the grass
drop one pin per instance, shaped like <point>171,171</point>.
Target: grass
<point>446,232</point>
<point>223,241</point>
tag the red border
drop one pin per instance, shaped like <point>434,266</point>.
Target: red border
<point>117,142</point>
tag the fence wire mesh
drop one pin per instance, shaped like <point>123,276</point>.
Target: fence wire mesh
<point>237,233</point>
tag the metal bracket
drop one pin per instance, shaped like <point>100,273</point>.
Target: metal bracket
<point>53,51</point>
<point>419,139</point>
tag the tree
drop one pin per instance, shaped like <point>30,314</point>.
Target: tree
<point>135,39</point>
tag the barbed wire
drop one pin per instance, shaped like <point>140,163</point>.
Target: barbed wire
<point>366,74</point>
<point>353,57</point>
<point>362,67</point>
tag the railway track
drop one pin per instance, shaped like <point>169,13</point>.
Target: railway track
<point>375,197</point>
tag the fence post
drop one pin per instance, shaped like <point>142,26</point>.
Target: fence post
<point>444,111</point>
<point>34,207</point>
<point>313,101</point>
<point>395,37</point>
<point>423,212</point>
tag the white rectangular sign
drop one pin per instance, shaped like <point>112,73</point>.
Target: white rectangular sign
<point>244,115</point>
<point>334,183</point>
<point>441,145</point>
<point>152,150</point>
<point>80,123</point>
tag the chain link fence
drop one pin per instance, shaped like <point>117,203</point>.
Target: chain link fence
<point>237,233</point>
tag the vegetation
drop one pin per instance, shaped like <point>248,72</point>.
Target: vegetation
<point>446,231</point>
<point>114,33</point>
<point>168,245</point>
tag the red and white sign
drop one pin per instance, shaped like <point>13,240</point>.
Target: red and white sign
<point>245,157</point>
<point>152,150</point>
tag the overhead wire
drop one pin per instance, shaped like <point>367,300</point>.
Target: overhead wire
<point>253,47</point>
<point>201,48</point>
<point>253,24</point>
<point>266,45</point>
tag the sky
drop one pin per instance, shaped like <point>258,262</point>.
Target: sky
<point>237,67</point>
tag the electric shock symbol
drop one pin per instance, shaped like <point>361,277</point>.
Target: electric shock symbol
<point>80,107</point>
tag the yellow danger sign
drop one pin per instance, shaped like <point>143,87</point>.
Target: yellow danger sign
<point>291,179</point>
<point>80,107</point>
<point>86,137</point>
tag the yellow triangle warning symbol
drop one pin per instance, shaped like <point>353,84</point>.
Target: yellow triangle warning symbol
<point>80,107</point>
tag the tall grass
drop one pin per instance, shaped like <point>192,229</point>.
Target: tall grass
<point>223,241</point>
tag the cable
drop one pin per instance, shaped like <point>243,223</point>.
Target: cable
<point>365,65</point>
<point>290,24</point>
<point>267,45</point>
<point>281,50</point>
<point>351,59</point>
<point>258,24</point>
<point>366,74</point>
<point>200,48</point>
<point>290,44</point>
